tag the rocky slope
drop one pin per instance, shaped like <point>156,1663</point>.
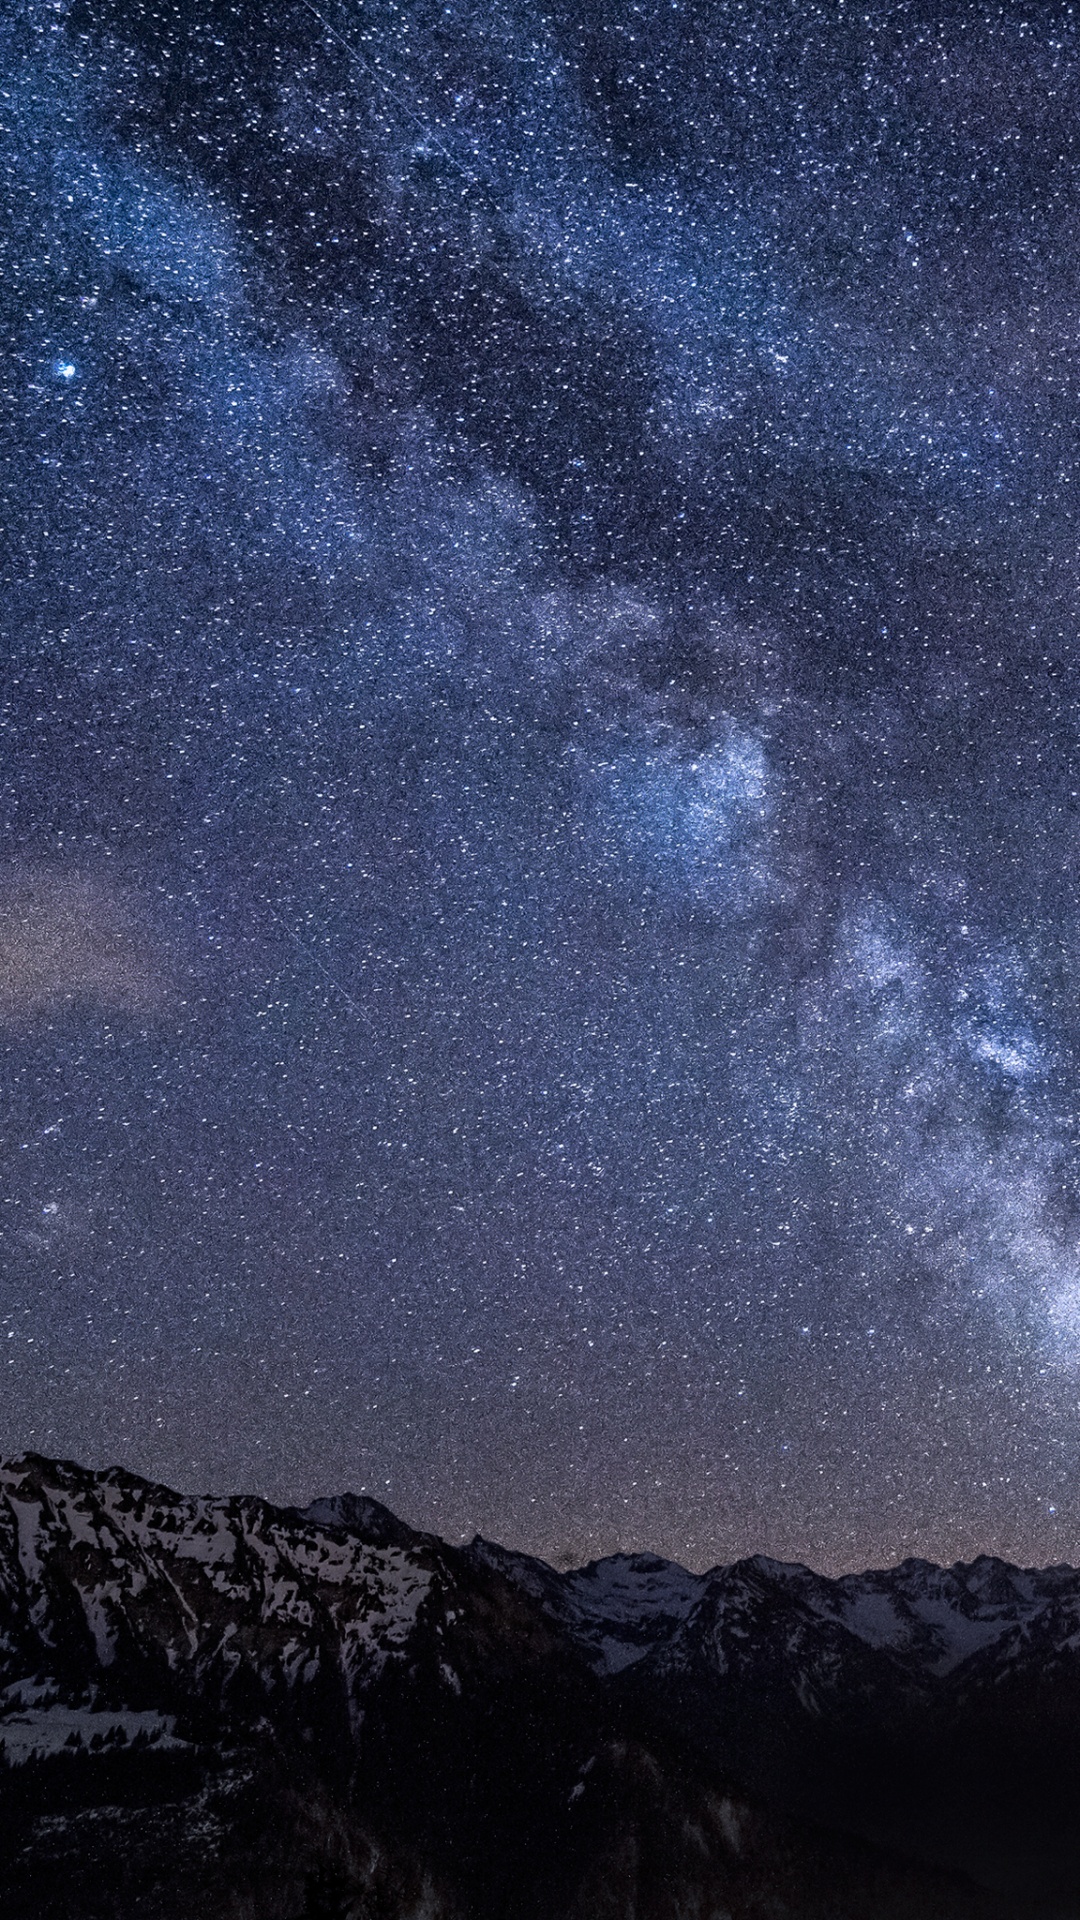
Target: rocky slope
<point>934,1709</point>
<point>215,1708</point>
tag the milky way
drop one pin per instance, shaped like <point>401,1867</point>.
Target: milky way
<point>539,932</point>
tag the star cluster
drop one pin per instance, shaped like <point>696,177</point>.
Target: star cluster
<point>539,931</point>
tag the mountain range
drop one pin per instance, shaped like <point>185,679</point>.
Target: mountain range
<point>212,1708</point>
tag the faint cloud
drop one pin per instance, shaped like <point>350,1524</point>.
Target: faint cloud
<point>73,940</point>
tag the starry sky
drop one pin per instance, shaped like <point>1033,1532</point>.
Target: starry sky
<point>540,764</point>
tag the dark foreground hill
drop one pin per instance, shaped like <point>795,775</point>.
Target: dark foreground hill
<point>217,1708</point>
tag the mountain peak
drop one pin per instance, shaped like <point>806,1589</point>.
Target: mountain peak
<point>361,1515</point>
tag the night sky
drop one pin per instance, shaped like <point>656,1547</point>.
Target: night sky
<point>540,764</point>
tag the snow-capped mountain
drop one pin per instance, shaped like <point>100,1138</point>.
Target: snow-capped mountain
<point>616,1610</point>
<point>214,1707</point>
<point>936,1709</point>
<point>929,1620</point>
<point>105,1573</point>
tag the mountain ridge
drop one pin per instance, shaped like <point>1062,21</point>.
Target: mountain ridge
<point>257,1712</point>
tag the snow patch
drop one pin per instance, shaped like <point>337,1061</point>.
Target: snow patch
<point>42,1731</point>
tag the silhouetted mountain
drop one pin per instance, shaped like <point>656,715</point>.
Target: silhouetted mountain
<point>221,1710</point>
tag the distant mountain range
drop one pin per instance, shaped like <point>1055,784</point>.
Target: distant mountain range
<point>215,1709</point>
